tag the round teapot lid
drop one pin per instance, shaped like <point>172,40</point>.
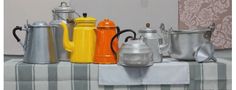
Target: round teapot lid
<point>85,18</point>
<point>148,29</point>
<point>39,24</point>
<point>138,43</point>
<point>64,7</point>
<point>106,23</point>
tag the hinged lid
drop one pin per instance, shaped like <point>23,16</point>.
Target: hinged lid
<point>39,24</point>
<point>85,19</point>
<point>147,29</point>
<point>106,23</point>
<point>64,7</point>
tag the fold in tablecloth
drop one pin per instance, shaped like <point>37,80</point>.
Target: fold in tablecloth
<point>169,72</point>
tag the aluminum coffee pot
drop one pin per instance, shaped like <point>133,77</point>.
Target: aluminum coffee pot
<point>133,52</point>
<point>39,46</point>
<point>66,13</point>
<point>152,38</point>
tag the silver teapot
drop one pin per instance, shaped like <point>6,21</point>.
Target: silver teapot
<point>153,40</point>
<point>39,46</point>
<point>133,52</point>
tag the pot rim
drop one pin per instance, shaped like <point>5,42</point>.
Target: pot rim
<point>189,31</point>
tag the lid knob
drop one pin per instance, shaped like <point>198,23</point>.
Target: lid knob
<point>64,4</point>
<point>148,25</point>
<point>84,14</point>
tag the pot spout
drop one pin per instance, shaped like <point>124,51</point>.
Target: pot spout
<point>68,45</point>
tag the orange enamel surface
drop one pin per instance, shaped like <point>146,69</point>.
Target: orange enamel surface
<point>103,54</point>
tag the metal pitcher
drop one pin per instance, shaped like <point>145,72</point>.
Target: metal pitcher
<point>39,46</point>
<point>66,13</point>
<point>152,38</point>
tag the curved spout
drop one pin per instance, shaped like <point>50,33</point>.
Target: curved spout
<point>67,44</point>
<point>165,41</point>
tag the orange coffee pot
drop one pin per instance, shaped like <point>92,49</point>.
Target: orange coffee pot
<point>106,29</point>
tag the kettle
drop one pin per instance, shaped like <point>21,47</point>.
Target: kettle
<point>106,29</point>
<point>82,46</point>
<point>152,39</point>
<point>39,43</point>
<point>133,52</point>
<point>63,12</point>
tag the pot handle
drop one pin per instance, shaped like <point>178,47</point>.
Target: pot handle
<point>15,35</point>
<point>127,38</point>
<point>117,35</point>
<point>164,42</point>
<point>208,34</point>
<point>117,30</point>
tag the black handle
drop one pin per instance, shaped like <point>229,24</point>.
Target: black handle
<point>117,30</point>
<point>127,38</point>
<point>117,35</point>
<point>14,33</point>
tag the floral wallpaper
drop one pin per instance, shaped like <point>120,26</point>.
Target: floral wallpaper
<point>194,13</point>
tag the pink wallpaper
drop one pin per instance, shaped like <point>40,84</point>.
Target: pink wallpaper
<point>194,13</point>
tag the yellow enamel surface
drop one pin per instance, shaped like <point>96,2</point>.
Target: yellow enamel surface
<point>85,19</point>
<point>82,47</point>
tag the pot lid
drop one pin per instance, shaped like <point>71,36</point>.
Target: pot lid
<point>85,19</point>
<point>64,7</point>
<point>106,23</point>
<point>147,29</point>
<point>136,43</point>
<point>39,24</point>
<point>204,52</point>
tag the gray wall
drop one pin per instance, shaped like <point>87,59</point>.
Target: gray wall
<point>16,12</point>
<point>126,13</point>
<point>131,13</point>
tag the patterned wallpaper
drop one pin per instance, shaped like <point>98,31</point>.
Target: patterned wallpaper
<point>194,13</point>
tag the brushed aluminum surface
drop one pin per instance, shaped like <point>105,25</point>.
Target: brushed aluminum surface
<point>135,53</point>
<point>40,45</point>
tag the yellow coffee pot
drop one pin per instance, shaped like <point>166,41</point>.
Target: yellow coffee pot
<point>82,46</point>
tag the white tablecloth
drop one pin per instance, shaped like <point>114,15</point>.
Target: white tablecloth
<point>170,72</point>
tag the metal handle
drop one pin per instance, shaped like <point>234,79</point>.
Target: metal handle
<point>15,35</point>
<point>208,34</point>
<point>164,42</point>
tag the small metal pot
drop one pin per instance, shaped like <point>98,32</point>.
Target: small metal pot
<point>182,44</point>
<point>134,52</point>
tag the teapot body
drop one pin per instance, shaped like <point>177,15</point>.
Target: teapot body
<point>151,38</point>
<point>39,46</point>
<point>135,53</point>
<point>82,45</point>
<point>106,29</point>
<point>84,40</point>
